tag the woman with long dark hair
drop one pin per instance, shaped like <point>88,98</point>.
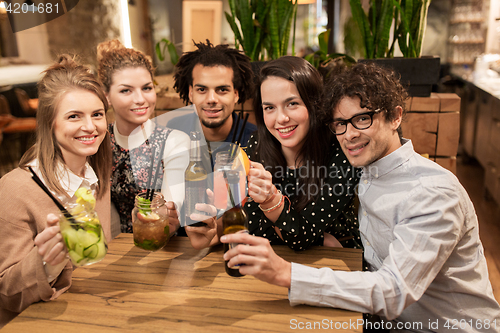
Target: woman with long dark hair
<point>301,183</point>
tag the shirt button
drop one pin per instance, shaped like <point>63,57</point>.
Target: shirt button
<point>364,213</point>
<point>367,243</point>
<point>365,181</point>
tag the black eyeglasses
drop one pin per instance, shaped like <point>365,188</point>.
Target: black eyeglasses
<point>360,121</point>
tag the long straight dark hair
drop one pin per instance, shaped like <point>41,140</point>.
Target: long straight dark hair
<point>314,152</point>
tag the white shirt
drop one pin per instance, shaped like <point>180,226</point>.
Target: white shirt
<point>421,241</point>
<point>70,181</point>
<point>175,157</point>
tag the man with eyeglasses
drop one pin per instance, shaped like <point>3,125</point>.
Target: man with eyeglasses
<point>427,271</point>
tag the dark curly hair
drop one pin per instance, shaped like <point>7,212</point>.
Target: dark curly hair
<point>113,56</point>
<point>377,88</point>
<point>209,55</point>
<point>309,84</point>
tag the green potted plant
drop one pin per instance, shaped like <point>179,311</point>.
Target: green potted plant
<point>411,26</point>
<point>172,51</point>
<point>323,61</point>
<point>408,19</point>
<point>262,27</point>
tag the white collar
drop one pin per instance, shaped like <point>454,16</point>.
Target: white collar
<point>136,138</point>
<point>69,181</point>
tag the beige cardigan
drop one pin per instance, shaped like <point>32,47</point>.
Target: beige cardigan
<point>23,214</point>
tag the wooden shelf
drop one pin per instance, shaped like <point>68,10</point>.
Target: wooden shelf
<point>478,20</point>
<point>466,42</point>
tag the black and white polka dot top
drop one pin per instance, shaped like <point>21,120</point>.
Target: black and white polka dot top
<point>332,210</point>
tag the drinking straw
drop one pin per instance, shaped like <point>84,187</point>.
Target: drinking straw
<point>235,128</point>
<point>151,170</point>
<point>153,185</point>
<point>241,117</point>
<point>228,188</point>
<point>63,210</point>
<point>238,141</point>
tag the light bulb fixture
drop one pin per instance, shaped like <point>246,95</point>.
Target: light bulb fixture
<point>3,7</point>
<point>125,24</point>
<point>306,2</point>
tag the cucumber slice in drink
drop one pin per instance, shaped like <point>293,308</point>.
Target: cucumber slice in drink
<point>70,237</point>
<point>101,248</point>
<point>91,251</point>
<point>79,249</point>
<point>92,226</point>
<point>83,261</point>
<point>86,239</point>
<point>75,257</point>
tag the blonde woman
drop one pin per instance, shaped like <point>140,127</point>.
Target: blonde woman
<point>72,150</point>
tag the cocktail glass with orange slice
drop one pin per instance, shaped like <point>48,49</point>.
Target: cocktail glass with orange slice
<point>224,162</point>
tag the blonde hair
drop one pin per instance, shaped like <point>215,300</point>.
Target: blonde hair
<point>113,56</point>
<point>64,76</point>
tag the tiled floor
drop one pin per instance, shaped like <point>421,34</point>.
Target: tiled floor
<point>471,176</point>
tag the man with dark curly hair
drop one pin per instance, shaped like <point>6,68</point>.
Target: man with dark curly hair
<point>426,266</point>
<point>214,79</point>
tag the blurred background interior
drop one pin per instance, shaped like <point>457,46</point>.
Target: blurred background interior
<point>465,34</point>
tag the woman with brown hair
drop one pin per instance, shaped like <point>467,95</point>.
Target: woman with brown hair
<point>72,150</point>
<point>127,76</point>
<point>301,183</point>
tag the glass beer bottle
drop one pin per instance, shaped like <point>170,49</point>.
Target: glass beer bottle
<point>195,181</point>
<point>222,164</point>
<point>235,218</point>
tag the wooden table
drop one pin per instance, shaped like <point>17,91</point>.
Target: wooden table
<point>180,289</point>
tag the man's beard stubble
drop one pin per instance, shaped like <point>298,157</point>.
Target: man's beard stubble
<point>216,123</point>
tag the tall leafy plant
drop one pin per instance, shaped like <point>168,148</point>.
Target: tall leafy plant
<point>412,24</point>
<point>252,17</point>
<point>375,27</point>
<point>323,61</point>
<point>281,15</point>
<point>408,17</point>
<point>262,27</point>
